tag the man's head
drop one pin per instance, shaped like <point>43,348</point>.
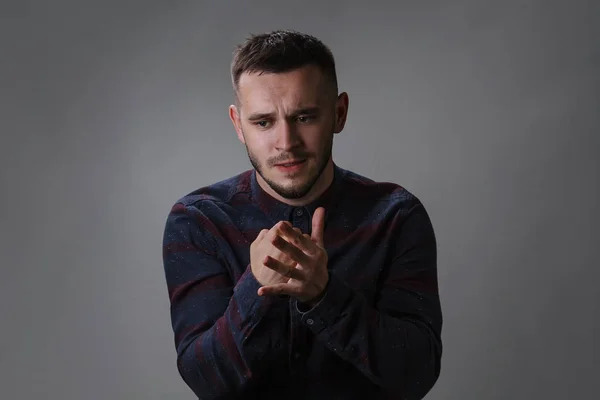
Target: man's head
<point>287,109</point>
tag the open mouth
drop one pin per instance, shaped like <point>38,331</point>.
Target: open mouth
<point>291,166</point>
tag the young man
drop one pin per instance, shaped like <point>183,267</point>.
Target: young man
<point>298,279</point>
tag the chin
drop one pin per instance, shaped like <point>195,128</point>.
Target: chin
<point>290,188</point>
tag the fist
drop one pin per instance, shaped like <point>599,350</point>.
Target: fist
<point>263,249</point>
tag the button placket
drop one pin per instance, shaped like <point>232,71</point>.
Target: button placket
<point>297,341</point>
<point>300,218</point>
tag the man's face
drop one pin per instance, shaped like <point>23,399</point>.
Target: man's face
<point>285,118</point>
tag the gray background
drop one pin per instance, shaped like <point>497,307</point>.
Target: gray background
<point>487,110</point>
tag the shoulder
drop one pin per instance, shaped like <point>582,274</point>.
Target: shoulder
<point>220,193</point>
<point>193,216</point>
<point>205,205</point>
<point>392,206</point>
<point>379,194</point>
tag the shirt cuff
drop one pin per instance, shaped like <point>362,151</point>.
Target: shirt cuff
<point>325,313</point>
<point>304,308</point>
<point>251,306</point>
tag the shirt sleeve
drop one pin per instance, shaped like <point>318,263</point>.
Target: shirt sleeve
<point>397,342</point>
<point>224,332</point>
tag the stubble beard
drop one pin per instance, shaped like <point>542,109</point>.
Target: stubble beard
<point>295,191</point>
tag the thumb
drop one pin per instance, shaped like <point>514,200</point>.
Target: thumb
<point>318,226</point>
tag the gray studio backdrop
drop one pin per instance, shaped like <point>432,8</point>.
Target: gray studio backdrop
<point>487,110</point>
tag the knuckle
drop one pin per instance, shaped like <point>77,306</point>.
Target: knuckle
<point>279,225</point>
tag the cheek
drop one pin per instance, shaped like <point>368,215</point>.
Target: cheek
<point>259,145</point>
<point>317,139</point>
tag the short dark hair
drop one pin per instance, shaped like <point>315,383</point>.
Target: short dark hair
<point>282,51</point>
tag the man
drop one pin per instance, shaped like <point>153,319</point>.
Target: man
<point>298,279</point>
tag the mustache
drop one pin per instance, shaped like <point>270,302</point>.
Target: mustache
<point>287,157</point>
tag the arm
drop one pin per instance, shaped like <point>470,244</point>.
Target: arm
<point>397,343</point>
<point>224,333</point>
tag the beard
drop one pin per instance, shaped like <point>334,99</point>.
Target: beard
<point>301,189</point>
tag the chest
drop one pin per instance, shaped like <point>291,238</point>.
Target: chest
<point>357,253</point>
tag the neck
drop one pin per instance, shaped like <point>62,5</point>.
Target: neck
<point>317,190</point>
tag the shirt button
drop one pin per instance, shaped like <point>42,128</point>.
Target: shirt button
<point>299,212</point>
<point>310,321</point>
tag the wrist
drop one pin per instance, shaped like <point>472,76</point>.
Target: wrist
<point>314,301</point>
<point>311,303</point>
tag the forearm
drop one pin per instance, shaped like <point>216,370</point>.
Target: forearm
<point>228,356</point>
<point>397,353</point>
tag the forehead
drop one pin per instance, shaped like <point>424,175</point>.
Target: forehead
<point>297,88</point>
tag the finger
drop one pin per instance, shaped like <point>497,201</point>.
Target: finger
<point>318,225</point>
<point>278,289</point>
<point>297,238</point>
<point>278,226</point>
<point>274,234</point>
<point>290,250</point>
<point>283,269</point>
<point>261,235</point>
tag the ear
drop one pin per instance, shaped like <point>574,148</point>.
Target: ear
<point>234,115</point>
<point>341,112</point>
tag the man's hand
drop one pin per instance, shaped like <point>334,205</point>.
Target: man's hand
<point>309,276</point>
<point>262,249</point>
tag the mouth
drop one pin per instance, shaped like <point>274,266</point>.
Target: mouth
<point>291,166</point>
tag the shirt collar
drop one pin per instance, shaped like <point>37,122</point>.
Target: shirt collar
<point>279,211</point>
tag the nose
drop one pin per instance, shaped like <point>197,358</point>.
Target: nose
<point>287,137</point>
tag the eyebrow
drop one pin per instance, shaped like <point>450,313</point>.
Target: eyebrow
<point>300,111</point>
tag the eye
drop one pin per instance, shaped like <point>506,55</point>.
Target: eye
<point>262,124</point>
<point>306,118</point>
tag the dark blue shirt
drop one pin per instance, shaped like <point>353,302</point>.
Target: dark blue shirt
<point>375,334</point>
